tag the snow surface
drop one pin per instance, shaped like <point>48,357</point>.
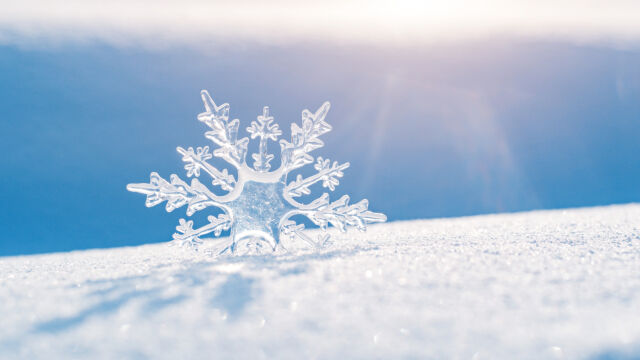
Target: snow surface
<point>547,284</point>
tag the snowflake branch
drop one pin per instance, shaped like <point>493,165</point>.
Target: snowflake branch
<point>342,215</point>
<point>328,174</point>
<point>265,130</point>
<point>177,193</point>
<point>189,236</point>
<point>305,139</point>
<point>290,228</point>
<point>223,132</point>
<point>197,160</point>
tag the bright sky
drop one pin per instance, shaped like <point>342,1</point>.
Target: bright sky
<point>158,23</point>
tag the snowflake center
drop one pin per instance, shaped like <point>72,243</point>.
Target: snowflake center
<point>257,213</point>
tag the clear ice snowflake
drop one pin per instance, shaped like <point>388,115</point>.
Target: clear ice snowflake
<point>257,206</point>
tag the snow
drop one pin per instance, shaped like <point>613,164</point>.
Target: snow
<point>546,284</point>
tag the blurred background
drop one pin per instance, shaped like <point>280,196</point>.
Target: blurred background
<point>442,108</point>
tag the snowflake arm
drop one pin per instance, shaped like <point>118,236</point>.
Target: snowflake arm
<point>177,193</point>
<point>223,132</point>
<point>327,174</point>
<point>197,160</point>
<point>305,139</point>
<point>290,228</point>
<point>188,236</point>
<point>339,213</point>
<point>265,129</point>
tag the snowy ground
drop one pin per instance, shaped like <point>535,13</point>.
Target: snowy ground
<point>549,284</point>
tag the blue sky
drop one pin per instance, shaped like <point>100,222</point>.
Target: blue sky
<point>437,128</point>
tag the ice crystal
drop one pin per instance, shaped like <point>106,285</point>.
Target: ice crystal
<point>257,206</point>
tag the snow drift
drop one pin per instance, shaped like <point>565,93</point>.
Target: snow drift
<point>547,284</point>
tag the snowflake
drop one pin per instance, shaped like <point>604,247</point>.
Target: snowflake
<point>258,206</point>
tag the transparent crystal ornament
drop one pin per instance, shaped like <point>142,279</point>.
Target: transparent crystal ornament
<point>259,204</point>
